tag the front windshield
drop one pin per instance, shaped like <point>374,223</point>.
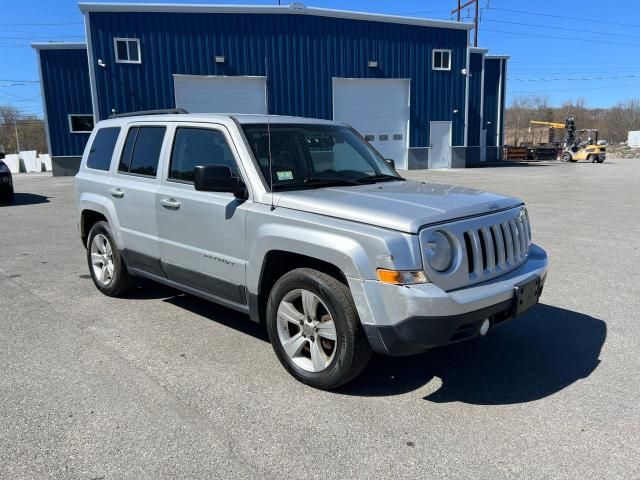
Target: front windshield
<point>310,156</point>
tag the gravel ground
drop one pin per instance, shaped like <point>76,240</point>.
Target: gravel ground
<point>164,385</point>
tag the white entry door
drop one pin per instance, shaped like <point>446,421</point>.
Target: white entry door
<point>379,110</point>
<point>440,153</point>
<point>216,94</point>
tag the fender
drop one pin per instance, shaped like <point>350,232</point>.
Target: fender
<point>342,251</point>
<point>103,205</point>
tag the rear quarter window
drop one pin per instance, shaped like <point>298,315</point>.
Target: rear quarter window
<point>101,150</point>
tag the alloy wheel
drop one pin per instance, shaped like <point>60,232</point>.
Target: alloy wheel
<point>102,259</point>
<point>306,330</point>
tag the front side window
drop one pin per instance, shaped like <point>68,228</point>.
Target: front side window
<point>141,152</point>
<point>102,148</point>
<point>442,59</point>
<point>198,146</point>
<point>309,156</point>
<point>80,123</point>
<point>127,50</point>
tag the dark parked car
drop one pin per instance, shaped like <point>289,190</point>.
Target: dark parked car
<point>6,182</point>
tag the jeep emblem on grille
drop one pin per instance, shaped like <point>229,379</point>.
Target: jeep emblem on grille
<point>492,206</point>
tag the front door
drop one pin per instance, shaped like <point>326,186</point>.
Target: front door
<point>440,153</point>
<point>201,234</point>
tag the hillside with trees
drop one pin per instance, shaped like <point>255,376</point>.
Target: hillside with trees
<point>613,123</point>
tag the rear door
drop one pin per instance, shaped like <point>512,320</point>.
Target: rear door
<point>134,186</point>
<point>202,234</point>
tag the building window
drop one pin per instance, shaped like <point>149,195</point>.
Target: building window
<point>80,123</point>
<point>127,50</point>
<point>442,59</point>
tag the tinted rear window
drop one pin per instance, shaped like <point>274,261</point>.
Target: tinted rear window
<point>141,152</point>
<point>102,148</point>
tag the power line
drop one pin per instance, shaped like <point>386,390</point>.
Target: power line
<point>562,38</point>
<point>564,29</point>
<point>41,37</point>
<point>37,24</point>
<point>564,17</point>
<point>602,87</point>
<point>570,79</point>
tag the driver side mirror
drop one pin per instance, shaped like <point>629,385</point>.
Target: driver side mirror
<point>391,162</point>
<point>219,178</point>
<point>2,156</point>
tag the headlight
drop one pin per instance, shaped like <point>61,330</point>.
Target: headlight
<point>439,251</point>
<point>528,225</point>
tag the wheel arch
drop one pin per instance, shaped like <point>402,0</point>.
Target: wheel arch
<point>95,208</point>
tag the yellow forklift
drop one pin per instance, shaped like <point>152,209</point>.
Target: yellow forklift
<point>582,144</point>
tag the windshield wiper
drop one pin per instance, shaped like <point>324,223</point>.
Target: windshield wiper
<point>330,180</point>
<point>382,177</point>
<point>314,182</point>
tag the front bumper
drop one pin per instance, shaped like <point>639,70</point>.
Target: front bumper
<point>403,320</point>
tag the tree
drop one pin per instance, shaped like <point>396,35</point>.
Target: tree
<point>30,131</point>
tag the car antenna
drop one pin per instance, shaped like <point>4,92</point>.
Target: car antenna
<point>266,69</point>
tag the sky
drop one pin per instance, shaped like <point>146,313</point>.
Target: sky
<point>565,49</point>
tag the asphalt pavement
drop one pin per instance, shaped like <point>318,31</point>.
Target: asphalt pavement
<point>165,385</point>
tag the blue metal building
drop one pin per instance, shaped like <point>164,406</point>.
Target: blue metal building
<point>494,103</point>
<point>413,87</point>
<point>66,96</point>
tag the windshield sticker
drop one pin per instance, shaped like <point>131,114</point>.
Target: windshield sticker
<point>285,175</point>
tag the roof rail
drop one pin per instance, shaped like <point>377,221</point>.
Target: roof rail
<point>168,111</point>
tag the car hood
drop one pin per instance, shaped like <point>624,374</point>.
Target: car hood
<point>403,206</point>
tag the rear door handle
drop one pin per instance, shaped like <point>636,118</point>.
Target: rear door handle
<point>170,203</point>
<point>116,192</point>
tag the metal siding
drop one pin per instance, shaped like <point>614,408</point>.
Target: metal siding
<point>491,87</point>
<point>503,100</point>
<point>303,54</point>
<point>475,98</point>
<point>65,83</point>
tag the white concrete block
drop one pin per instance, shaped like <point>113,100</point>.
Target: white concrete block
<point>45,160</point>
<point>634,139</point>
<point>30,161</point>
<point>13,162</point>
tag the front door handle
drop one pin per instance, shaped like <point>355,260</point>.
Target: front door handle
<point>116,192</point>
<point>170,203</point>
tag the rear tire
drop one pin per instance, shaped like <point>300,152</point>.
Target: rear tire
<point>314,329</point>
<point>592,158</point>
<point>108,270</point>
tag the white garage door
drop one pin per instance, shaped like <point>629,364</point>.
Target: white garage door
<point>379,110</point>
<point>203,94</point>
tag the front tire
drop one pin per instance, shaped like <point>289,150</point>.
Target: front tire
<point>566,157</point>
<point>314,329</point>
<point>108,270</point>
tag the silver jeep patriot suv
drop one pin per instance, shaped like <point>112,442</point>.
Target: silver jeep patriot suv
<point>302,225</point>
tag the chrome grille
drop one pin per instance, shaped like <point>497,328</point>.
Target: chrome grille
<point>497,248</point>
<point>487,246</point>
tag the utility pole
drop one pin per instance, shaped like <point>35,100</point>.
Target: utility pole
<point>15,126</point>
<point>476,19</point>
